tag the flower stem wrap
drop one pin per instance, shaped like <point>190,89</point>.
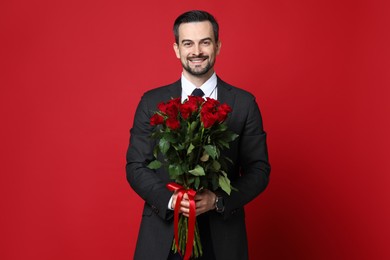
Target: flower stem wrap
<point>191,219</point>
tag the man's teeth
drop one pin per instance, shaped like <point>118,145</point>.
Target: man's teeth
<point>197,60</point>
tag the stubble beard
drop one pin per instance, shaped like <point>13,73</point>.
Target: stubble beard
<point>200,71</point>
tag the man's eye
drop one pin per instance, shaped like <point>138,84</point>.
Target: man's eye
<point>187,44</point>
<point>206,43</point>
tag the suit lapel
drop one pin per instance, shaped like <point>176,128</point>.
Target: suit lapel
<point>225,94</point>
<point>175,89</point>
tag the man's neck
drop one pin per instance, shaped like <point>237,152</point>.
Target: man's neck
<point>198,80</point>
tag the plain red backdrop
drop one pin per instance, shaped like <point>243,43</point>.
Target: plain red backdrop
<point>72,73</point>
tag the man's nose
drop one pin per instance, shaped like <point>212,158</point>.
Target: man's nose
<point>197,49</point>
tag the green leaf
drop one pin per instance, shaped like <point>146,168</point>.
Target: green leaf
<point>190,148</point>
<point>211,150</point>
<point>197,182</point>
<point>170,137</point>
<point>184,167</point>
<point>197,171</point>
<point>224,183</point>
<point>164,145</point>
<point>216,166</point>
<point>191,180</point>
<point>155,151</point>
<point>222,127</point>
<point>215,181</point>
<point>223,143</point>
<point>193,126</point>
<point>174,171</point>
<point>233,136</point>
<point>178,146</point>
<point>154,165</point>
<point>205,157</point>
<point>235,189</point>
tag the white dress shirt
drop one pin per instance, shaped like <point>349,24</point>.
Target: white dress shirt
<point>209,88</point>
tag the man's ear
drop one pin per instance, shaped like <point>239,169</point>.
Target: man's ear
<point>219,45</point>
<point>176,49</point>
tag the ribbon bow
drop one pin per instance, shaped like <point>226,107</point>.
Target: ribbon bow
<point>191,219</point>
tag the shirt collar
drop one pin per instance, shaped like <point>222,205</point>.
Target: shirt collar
<point>208,87</point>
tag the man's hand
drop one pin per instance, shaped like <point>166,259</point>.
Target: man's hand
<point>204,201</point>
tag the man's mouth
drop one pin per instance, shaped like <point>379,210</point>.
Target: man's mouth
<point>198,60</point>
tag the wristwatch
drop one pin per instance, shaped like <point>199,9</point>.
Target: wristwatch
<point>219,205</point>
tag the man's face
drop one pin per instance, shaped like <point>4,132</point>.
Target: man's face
<point>197,48</point>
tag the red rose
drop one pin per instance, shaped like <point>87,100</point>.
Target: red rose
<point>208,113</point>
<point>223,111</point>
<point>186,110</point>
<point>172,123</point>
<point>213,112</point>
<point>162,107</point>
<point>210,102</point>
<point>172,107</point>
<point>175,101</point>
<point>156,119</point>
<point>195,101</point>
<point>190,106</point>
<point>208,119</point>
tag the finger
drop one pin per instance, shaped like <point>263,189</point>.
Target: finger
<point>199,204</point>
<point>199,196</point>
<point>185,204</point>
<point>184,210</point>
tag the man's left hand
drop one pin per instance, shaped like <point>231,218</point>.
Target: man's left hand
<point>204,201</point>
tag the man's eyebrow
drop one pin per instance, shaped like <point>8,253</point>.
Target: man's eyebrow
<point>186,40</point>
<point>206,39</point>
<point>201,40</point>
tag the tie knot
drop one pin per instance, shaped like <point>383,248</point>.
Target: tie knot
<point>197,92</point>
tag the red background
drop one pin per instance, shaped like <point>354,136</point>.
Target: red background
<point>72,73</point>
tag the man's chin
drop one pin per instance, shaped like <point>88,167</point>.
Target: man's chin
<point>197,72</point>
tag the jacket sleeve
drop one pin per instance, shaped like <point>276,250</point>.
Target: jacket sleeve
<point>147,183</point>
<point>252,160</point>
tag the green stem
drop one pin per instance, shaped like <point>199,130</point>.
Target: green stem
<point>183,237</point>
<point>197,240</point>
<point>200,148</point>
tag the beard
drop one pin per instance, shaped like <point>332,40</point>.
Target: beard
<point>198,71</point>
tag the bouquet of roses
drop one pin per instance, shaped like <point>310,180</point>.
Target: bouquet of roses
<point>191,136</point>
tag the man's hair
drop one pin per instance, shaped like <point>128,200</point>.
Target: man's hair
<point>195,16</point>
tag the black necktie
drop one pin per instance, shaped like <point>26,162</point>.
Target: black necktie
<point>197,92</point>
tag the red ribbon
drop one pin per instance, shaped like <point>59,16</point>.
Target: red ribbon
<point>191,219</point>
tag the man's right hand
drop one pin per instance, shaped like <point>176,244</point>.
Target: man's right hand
<point>184,205</point>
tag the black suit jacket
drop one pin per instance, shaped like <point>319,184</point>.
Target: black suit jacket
<point>249,174</point>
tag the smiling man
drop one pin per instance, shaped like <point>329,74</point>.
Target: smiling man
<point>221,218</point>
<point>197,47</point>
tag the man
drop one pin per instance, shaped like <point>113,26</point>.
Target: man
<point>220,217</point>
